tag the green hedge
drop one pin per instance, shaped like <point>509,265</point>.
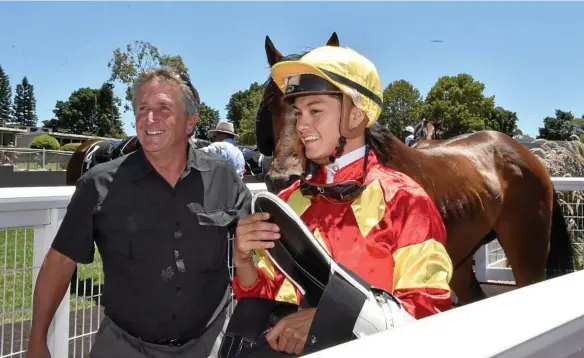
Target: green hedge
<point>70,147</point>
<point>45,141</point>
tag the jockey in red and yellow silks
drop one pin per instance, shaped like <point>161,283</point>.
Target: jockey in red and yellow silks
<point>392,236</point>
<point>383,226</point>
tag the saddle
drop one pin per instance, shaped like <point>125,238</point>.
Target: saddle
<point>103,151</point>
<point>347,307</point>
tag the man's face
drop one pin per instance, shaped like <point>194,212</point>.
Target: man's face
<point>219,137</point>
<point>161,121</point>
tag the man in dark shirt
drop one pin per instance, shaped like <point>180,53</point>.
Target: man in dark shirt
<point>161,218</point>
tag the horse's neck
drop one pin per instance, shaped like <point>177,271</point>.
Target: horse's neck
<point>414,163</point>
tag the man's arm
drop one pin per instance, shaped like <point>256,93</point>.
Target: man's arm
<point>52,284</point>
<point>423,268</point>
<point>73,243</point>
<point>211,148</point>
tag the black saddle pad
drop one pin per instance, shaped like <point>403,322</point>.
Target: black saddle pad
<point>297,253</point>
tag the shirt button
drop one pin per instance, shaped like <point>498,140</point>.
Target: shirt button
<point>177,288</point>
<point>177,234</point>
<point>178,224</point>
<point>173,316</point>
<point>336,168</point>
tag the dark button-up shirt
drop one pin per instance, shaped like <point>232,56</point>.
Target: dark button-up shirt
<point>164,249</point>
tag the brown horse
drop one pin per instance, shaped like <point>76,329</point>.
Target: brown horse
<point>93,152</point>
<point>486,186</point>
<point>102,151</point>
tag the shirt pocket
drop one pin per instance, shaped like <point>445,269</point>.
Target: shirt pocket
<point>129,233</point>
<point>211,242</point>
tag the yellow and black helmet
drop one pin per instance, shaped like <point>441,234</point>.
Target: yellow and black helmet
<point>333,70</point>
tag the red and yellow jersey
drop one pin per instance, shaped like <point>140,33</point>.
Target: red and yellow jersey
<point>392,236</point>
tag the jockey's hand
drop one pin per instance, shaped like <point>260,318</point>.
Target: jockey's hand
<point>254,233</point>
<point>290,333</point>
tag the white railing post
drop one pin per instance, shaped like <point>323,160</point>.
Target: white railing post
<point>480,263</point>
<point>58,335</point>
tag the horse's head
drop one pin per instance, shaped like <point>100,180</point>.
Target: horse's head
<point>276,128</point>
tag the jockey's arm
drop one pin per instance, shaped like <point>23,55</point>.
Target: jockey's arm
<point>270,283</point>
<point>422,267</point>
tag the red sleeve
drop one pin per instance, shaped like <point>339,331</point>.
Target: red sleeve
<point>422,268</point>
<point>271,283</point>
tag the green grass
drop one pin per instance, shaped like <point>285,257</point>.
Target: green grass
<point>16,263</point>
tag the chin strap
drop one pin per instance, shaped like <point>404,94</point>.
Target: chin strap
<point>338,150</point>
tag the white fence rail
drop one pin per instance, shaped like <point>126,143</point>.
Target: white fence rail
<point>36,159</point>
<point>545,320</point>
<point>30,218</point>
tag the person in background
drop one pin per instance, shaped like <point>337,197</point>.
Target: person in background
<point>409,132</point>
<point>161,218</point>
<point>5,159</point>
<point>224,147</point>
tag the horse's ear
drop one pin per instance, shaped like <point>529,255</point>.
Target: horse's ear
<point>333,41</point>
<point>274,56</point>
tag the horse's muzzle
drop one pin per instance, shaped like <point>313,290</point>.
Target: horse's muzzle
<point>278,182</point>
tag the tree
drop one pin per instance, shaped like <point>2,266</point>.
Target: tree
<point>5,97</point>
<point>89,110</point>
<point>24,107</point>
<point>402,106</point>
<point>503,120</point>
<point>560,127</point>
<point>518,133</point>
<point>139,57</point>
<point>459,101</point>
<point>248,118</point>
<point>208,119</point>
<point>242,102</point>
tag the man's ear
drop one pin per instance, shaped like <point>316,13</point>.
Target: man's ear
<point>192,123</point>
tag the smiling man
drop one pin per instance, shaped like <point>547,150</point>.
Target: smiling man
<point>161,218</point>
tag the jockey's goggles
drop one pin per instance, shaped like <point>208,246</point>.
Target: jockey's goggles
<point>341,192</point>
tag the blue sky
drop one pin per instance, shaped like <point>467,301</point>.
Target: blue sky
<point>529,55</point>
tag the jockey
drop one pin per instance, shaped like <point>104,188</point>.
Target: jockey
<point>373,220</point>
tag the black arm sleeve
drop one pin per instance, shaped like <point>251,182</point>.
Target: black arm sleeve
<point>75,236</point>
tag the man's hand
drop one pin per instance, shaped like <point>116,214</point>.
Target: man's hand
<point>253,233</point>
<point>291,332</point>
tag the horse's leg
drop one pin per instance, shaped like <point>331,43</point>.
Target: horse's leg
<point>523,230</point>
<point>465,284</point>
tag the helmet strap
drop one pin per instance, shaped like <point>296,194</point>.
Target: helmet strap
<point>338,150</point>
<point>344,128</point>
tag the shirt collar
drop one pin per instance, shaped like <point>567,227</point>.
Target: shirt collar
<point>343,161</point>
<point>194,161</point>
<point>229,140</point>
